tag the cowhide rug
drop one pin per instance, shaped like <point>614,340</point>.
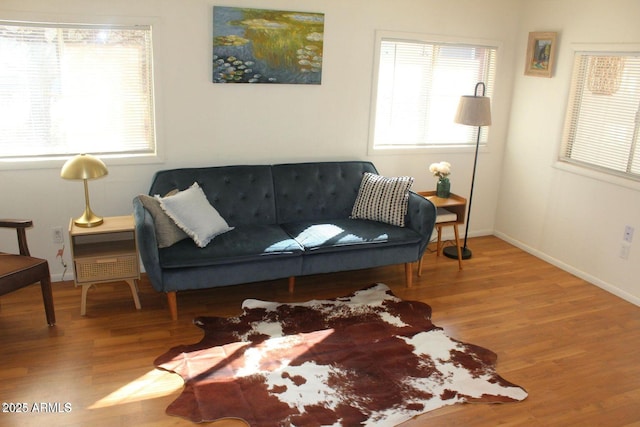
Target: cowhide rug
<point>367,359</point>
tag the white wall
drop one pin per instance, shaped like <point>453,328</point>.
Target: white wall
<point>574,221</point>
<point>206,124</point>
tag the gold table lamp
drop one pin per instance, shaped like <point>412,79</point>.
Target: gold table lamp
<point>85,167</point>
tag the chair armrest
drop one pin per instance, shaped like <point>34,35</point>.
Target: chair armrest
<point>421,217</point>
<point>20,226</point>
<point>15,223</point>
<point>147,244</point>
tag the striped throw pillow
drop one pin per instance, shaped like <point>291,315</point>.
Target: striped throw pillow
<point>382,199</point>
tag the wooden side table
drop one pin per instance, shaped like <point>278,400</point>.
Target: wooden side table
<point>106,253</point>
<point>455,205</point>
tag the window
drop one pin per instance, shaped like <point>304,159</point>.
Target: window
<point>68,89</point>
<point>418,86</point>
<point>602,126</point>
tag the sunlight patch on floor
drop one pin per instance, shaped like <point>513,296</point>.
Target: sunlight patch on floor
<point>155,383</point>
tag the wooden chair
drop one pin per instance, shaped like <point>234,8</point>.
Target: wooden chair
<point>18,271</point>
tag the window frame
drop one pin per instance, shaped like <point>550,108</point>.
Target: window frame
<point>411,37</point>
<point>578,168</point>
<point>154,23</point>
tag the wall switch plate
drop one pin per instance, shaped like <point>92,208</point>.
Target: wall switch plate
<point>628,234</point>
<point>56,234</point>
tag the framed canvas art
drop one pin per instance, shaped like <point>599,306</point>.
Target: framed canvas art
<point>267,46</point>
<point>540,54</point>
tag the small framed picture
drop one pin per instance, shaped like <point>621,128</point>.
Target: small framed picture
<point>541,52</point>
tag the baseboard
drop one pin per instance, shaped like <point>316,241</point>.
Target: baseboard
<point>447,234</point>
<point>570,269</point>
<point>58,277</point>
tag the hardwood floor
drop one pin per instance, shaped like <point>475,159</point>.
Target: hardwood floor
<point>573,346</point>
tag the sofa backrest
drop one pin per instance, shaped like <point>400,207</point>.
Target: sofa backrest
<point>241,194</point>
<point>265,194</point>
<point>317,191</point>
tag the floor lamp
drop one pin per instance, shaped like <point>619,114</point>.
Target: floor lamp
<point>472,111</point>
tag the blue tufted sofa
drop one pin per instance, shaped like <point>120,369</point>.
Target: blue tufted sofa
<point>289,220</point>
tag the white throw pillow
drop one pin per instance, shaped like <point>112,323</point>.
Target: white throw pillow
<point>192,212</point>
<point>382,199</point>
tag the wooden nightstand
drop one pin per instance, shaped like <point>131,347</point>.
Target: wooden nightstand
<point>454,205</point>
<point>106,253</point>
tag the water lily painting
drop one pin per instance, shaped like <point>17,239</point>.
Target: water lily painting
<point>267,46</point>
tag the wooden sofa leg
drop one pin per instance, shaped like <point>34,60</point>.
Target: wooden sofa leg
<point>408,272</point>
<point>292,283</point>
<point>173,305</point>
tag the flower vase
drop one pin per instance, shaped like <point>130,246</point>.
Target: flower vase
<point>443,189</point>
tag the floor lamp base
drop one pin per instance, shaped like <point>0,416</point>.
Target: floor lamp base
<point>452,252</point>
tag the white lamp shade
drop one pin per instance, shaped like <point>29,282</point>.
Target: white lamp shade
<point>474,111</point>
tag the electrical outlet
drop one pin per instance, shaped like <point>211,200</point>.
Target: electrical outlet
<point>624,251</point>
<point>56,234</point>
<point>628,234</point>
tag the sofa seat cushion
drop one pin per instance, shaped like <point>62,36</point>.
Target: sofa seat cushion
<point>243,243</point>
<point>344,234</point>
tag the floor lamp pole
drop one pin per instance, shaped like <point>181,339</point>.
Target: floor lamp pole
<point>466,253</point>
<point>452,251</point>
<point>474,111</point>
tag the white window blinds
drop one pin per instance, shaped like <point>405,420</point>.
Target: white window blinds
<point>602,127</point>
<point>419,85</point>
<point>68,89</point>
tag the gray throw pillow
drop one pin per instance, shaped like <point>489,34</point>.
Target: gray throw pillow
<point>167,232</point>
